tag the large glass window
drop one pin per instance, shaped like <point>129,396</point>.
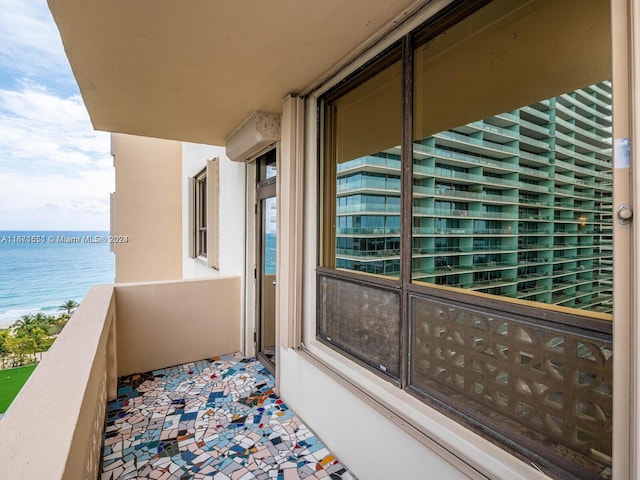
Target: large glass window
<point>517,145</point>
<point>481,214</point>
<point>363,176</point>
<point>561,189</point>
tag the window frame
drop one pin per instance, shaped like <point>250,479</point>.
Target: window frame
<point>458,446</point>
<point>200,215</point>
<point>326,193</point>
<point>204,198</point>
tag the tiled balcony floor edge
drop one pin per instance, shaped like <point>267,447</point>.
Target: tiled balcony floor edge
<point>213,419</point>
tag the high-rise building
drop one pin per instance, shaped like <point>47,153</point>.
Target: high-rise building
<point>518,204</point>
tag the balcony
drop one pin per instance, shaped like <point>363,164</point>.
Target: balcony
<point>155,421</point>
<point>121,330</point>
<point>226,421</point>
<point>536,113</point>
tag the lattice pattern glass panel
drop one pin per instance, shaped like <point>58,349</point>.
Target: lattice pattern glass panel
<point>544,387</point>
<point>362,321</point>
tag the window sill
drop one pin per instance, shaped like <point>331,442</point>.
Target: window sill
<point>201,260</point>
<point>467,451</point>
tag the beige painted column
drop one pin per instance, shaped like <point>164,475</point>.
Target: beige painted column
<point>290,224</point>
<point>625,371</point>
<point>148,208</point>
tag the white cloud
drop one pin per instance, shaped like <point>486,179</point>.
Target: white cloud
<point>46,131</point>
<point>56,202</point>
<point>55,170</point>
<point>30,44</point>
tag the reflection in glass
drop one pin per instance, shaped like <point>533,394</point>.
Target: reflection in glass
<point>511,199</point>
<point>518,204</point>
<point>267,167</point>
<point>367,175</point>
<point>268,277</point>
<point>514,203</point>
<point>512,179</point>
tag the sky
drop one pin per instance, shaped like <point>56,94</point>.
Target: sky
<point>56,172</point>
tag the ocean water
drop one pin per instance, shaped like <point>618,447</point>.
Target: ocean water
<point>41,270</point>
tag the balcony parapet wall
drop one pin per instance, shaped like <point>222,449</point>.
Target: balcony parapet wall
<point>54,427</point>
<point>161,324</point>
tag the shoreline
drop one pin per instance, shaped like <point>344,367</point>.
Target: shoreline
<point>9,317</point>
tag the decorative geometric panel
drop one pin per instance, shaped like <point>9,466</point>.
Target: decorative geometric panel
<point>541,384</point>
<point>363,321</point>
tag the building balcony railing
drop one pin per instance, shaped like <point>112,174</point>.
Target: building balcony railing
<point>481,179</point>
<point>531,291</point>
<point>513,118</point>
<point>524,124</point>
<point>606,151</point>
<point>54,427</point>
<point>532,246</point>
<point>582,170</point>
<point>564,204</point>
<point>590,122</point>
<point>536,113</point>
<point>419,190</point>
<point>534,201</point>
<point>440,212</point>
<point>535,231</point>
<point>466,158</point>
<point>582,157</point>
<point>390,185</point>
<point>586,108</point>
<point>509,135</point>
<point>491,148</point>
<point>603,89</point>
<point>535,217</point>
<point>603,140</point>
<point>492,283</point>
<point>369,160</point>
<point>381,254</point>
<point>393,231</point>
<point>534,158</point>
<point>533,188</point>
<point>591,98</point>
<point>367,207</point>
<point>463,231</point>
<point>533,172</point>
<point>573,193</point>
<point>541,144</point>
<point>458,250</point>
<point>558,177</point>
<point>448,269</point>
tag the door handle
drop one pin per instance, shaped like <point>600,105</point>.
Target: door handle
<point>274,283</point>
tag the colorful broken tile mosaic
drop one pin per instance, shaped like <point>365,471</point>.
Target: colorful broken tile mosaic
<point>215,419</point>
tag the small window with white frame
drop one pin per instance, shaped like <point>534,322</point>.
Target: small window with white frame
<point>200,210</point>
<point>203,218</point>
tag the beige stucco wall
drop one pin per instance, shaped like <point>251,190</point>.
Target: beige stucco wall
<point>148,209</point>
<point>162,324</point>
<point>117,330</point>
<point>231,211</point>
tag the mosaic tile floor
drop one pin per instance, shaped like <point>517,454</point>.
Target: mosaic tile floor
<point>214,419</point>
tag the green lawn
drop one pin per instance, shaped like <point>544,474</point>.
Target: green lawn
<point>11,381</point>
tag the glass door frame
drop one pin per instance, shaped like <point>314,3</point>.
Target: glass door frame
<point>266,188</point>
